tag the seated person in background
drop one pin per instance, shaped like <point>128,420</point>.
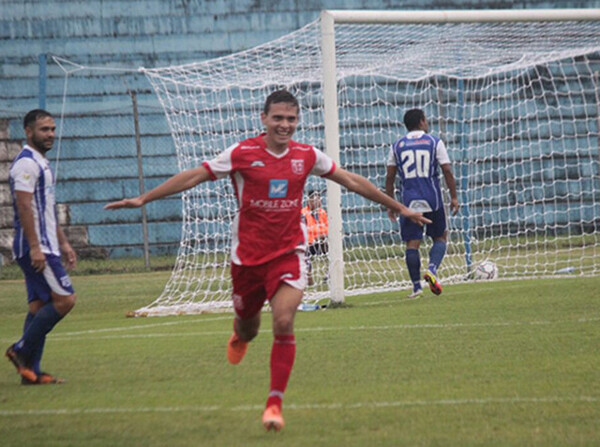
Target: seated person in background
<point>317,227</point>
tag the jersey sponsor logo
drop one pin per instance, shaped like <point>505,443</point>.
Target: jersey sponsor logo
<point>257,164</point>
<point>275,205</point>
<point>298,166</point>
<point>278,188</point>
<point>415,142</point>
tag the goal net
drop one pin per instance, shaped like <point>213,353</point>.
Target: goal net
<point>516,103</point>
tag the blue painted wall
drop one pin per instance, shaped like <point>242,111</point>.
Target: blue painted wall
<point>98,142</point>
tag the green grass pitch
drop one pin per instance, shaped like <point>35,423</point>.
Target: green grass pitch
<point>508,363</point>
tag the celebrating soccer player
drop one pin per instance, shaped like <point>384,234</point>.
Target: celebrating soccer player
<point>415,159</point>
<point>38,245</point>
<point>268,240</point>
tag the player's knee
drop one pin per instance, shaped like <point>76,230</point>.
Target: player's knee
<point>246,332</point>
<point>64,304</point>
<point>283,324</point>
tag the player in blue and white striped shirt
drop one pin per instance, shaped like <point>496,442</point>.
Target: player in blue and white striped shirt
<point>37,247</point>
<point>416,158</point>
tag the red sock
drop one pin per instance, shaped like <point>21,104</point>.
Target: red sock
<point>282,360</point>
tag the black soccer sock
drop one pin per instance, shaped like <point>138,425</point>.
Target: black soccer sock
<point>33,338</point>
<point>413,262</point>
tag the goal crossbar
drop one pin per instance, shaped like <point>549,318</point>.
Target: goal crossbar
<point>461,16</point>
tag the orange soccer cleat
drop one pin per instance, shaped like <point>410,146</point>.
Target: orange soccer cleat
<point>433,282</point>
<point>43,379</point>
<point>272,418</point>
<point>24,371</point>
<point>236,349</point>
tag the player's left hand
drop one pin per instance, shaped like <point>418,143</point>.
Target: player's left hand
<point>69,255</point>
<point>454,206</point>
<point>125,203</point>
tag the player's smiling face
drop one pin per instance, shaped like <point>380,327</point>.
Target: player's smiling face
<point>40,134</point>
<point>280,123</point>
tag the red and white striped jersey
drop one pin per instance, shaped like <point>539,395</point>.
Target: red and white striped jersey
<point>268,188</point>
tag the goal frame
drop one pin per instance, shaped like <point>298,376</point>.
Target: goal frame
<point>329,18</point>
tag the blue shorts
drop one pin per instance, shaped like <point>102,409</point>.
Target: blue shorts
<point>39,285</point>
<point>411,231</point>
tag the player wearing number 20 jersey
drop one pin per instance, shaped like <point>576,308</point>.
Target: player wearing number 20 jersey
<point>417,157</point>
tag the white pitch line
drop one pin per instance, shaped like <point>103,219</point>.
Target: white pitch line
<point>68,337</point>
<point>144,326</point>
<point>300,407</point>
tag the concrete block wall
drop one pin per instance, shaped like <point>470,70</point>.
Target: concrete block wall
<point>97,162</point>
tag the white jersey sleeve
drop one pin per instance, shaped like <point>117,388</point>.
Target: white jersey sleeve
<point>221,166</point>
<point>324,164</point>
<point>442,154</point>
<point>25,173</point>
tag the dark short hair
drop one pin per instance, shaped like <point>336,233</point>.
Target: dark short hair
<point>34,115</point>
<point>280,96</point>
<point>412,118</point>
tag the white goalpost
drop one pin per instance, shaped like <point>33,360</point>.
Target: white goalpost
<point>514,94</point>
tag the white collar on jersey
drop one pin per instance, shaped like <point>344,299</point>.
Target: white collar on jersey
<point>37,155</point>
<point>275,154</point>
<point>415,134</point>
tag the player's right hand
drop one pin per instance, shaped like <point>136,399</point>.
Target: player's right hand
<point>125,203</point>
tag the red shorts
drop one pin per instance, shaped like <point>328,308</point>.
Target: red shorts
<point>253,285</point>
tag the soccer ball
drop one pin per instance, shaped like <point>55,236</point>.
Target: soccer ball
<point>486,270</point>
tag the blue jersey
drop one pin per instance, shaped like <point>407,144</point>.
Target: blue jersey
<point>417,157</point>
<point>30,172</point>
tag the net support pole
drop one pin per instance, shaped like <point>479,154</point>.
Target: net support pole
<point>332,148</point>
<point>464,176</point>
<point>43,75</point>
<point>138,146</point>
<point>597,95</point>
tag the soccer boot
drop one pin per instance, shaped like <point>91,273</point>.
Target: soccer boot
<point>272,418</point>
<point>43,379</point>
<point>433,282</point>
<point>415,293</point>
<point>22,368</point>
<point>236,349</point>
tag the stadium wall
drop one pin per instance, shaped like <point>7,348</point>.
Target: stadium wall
<point>98,156</point>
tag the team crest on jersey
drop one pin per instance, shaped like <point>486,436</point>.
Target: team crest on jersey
<point>298,166</point>
<point>277,188</point>
<point>237,301</point>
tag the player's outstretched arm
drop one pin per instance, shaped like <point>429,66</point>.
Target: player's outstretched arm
<point>361,185</point>
<point>179,182</point>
